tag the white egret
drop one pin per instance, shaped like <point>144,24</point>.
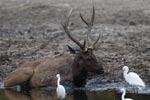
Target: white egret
<point>123,94</point>
<point>61,92</point>
<point>132,78</point>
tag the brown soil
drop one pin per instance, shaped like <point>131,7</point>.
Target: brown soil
<point>32,30</point>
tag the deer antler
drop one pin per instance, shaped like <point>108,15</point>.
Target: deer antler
<point>96,41</point>
<point>90,25</point>
<point>65,26</point>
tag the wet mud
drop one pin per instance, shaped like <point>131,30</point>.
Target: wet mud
<point>32,30</point>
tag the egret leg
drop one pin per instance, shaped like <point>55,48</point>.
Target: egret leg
<point>135,90</point>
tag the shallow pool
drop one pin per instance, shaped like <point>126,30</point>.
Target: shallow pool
<point>39,94</point>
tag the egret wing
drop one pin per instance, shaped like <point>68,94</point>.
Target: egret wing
<point>135,79</point>
<point>61,93</point>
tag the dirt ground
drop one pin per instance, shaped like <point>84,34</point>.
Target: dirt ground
<point>31,29</point>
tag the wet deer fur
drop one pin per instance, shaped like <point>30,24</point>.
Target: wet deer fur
<point>73,68</point>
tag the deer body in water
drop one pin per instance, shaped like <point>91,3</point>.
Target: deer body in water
<point>72,68</point>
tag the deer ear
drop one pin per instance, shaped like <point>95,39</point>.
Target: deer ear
<point>72,51</point>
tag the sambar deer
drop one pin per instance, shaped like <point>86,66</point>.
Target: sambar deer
<point>71,68</point>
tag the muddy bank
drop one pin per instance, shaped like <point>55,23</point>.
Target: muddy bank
<point>33,32</point>
<point>98,85</point>
<point>91,86</point>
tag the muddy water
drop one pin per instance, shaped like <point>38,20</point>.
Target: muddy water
<point>37,94</point>
<point>107,91</point>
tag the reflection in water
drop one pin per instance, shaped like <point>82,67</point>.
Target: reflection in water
<point>34,95</point>
<point>79,95</point>
<point>106,95</point>
<point>37,94</point>
<point>12,95</point>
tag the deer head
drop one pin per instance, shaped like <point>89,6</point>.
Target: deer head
<point>85,60</point>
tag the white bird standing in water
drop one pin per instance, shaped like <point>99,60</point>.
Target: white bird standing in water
<point>132,78</point>
<point>61,92</point>
<point>123,95</point>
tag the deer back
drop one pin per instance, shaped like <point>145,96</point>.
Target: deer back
<point>41,72</point>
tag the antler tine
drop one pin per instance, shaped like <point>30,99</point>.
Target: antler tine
<point>94,44</point>
<point>84,43</point>
<point>65,26</point>
<point>92,21</point>
<point>92,18</point>
<point>84,20</point>
<point>90,25</point>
